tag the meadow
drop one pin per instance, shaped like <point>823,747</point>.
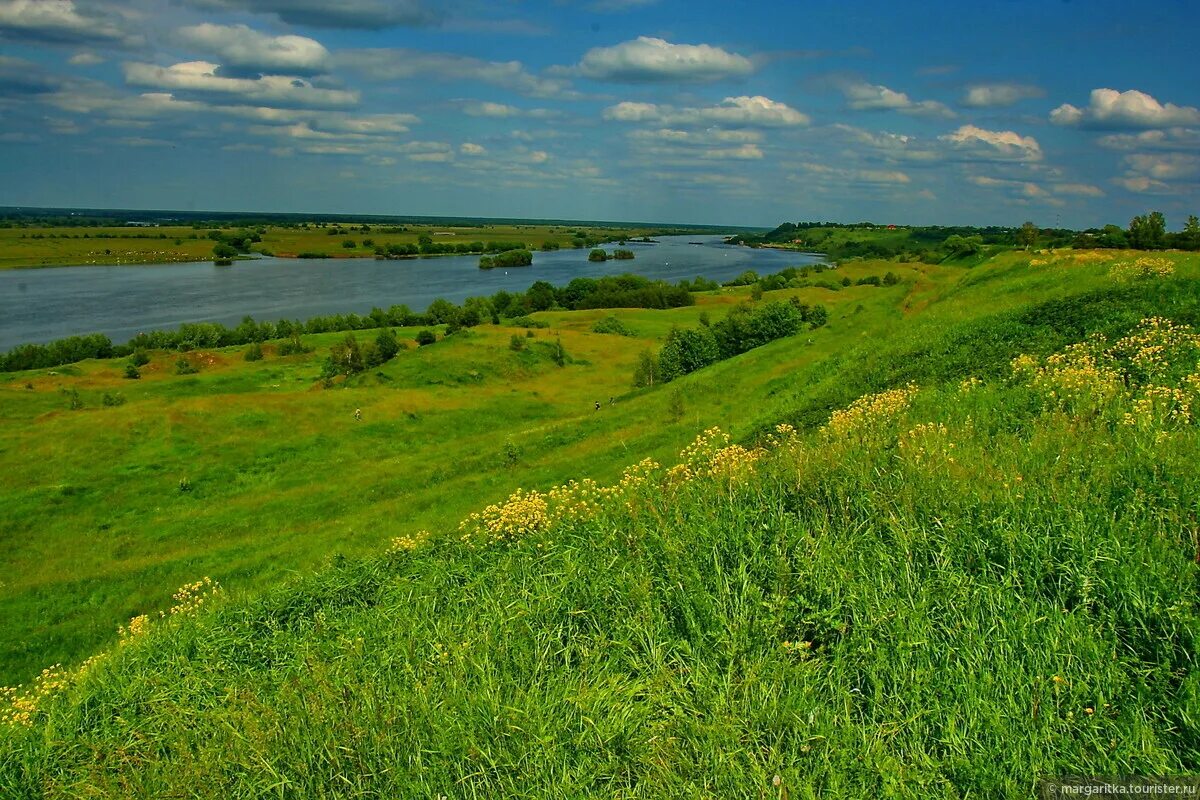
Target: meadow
<point>62,245</point>
<point>936,547</point>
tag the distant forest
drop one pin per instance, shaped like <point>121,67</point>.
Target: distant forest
<point>936,243</point>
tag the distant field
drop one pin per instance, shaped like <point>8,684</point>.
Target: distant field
<point>62,246</point>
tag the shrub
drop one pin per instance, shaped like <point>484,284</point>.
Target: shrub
<point>426,337</point>
<point>113,399</point>
<point>687,350</point>
<point>388,344</point>
<point>512,454</point>
<point>528,322</point>
<point>254,352</point>
<point>745,279</point>
<point>345,358</point>
<point>623,255</point>
<point>612,325</point>
<point>516,343</point>
<point>185,367</point>
<point>598,256</point>
<point>558,353</point>
<point>73,399</point>
<point>294,345</point>
<point>675,407</point>
<point>131,372</point>
<point>506,259</point>
<point>891,279</point>
<point>139,358</point>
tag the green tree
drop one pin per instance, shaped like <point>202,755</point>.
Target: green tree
<point>687,350</point>
<point>961,246</point>
<point>442,312</point>
<point>1147,231</point>
<point>1027,236</point>
<point>647,372</point>
<point>224,251</point>
<point>386,345</point>
<point>1190,238</point>
<point>540,296</point>
<point>346,357</point>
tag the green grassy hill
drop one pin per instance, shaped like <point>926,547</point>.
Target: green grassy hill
<point>950,546</point>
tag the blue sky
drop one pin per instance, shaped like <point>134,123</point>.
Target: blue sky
<point>1079,113</point>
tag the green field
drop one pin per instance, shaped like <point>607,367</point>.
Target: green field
<point>61,246</point>
<point>971,577</point>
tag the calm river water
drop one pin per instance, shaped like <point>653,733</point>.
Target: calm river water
<point>38,305</point>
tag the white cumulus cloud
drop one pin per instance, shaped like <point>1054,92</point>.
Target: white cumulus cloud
<point>863,96</point>
<point>757,111</point>
<point>1108,108</point>
<point>61,21</point>
<point>647,60</point>
<point>244,49</point>
<point>987,145</point>
<point>201,78</point>
<point>1164,166</point>
<point>490,109</point>
<point>1169,139</point>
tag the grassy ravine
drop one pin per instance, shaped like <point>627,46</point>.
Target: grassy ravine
<point>945,590</point>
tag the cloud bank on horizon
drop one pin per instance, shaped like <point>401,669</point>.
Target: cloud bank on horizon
<point>604,109</point>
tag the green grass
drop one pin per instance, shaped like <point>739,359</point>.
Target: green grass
<point>967,593</point>
<point>59,246</point>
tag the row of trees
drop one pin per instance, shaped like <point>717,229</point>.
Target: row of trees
<point>1145,232</point>
<point>746,327</point>
<point>619,291</point>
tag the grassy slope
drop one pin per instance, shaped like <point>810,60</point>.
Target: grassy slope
<point>964,611</point>
<point>142,245</point>
<point>283,477</point>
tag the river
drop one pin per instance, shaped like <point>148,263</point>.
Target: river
<point>39,305</point>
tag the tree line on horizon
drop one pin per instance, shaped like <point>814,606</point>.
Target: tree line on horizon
<point>937,243</point>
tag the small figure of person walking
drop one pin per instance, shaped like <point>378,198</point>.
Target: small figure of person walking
<point>358,414</point>
<point>597,405</point>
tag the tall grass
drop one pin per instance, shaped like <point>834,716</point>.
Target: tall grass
<point>945,590</point>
